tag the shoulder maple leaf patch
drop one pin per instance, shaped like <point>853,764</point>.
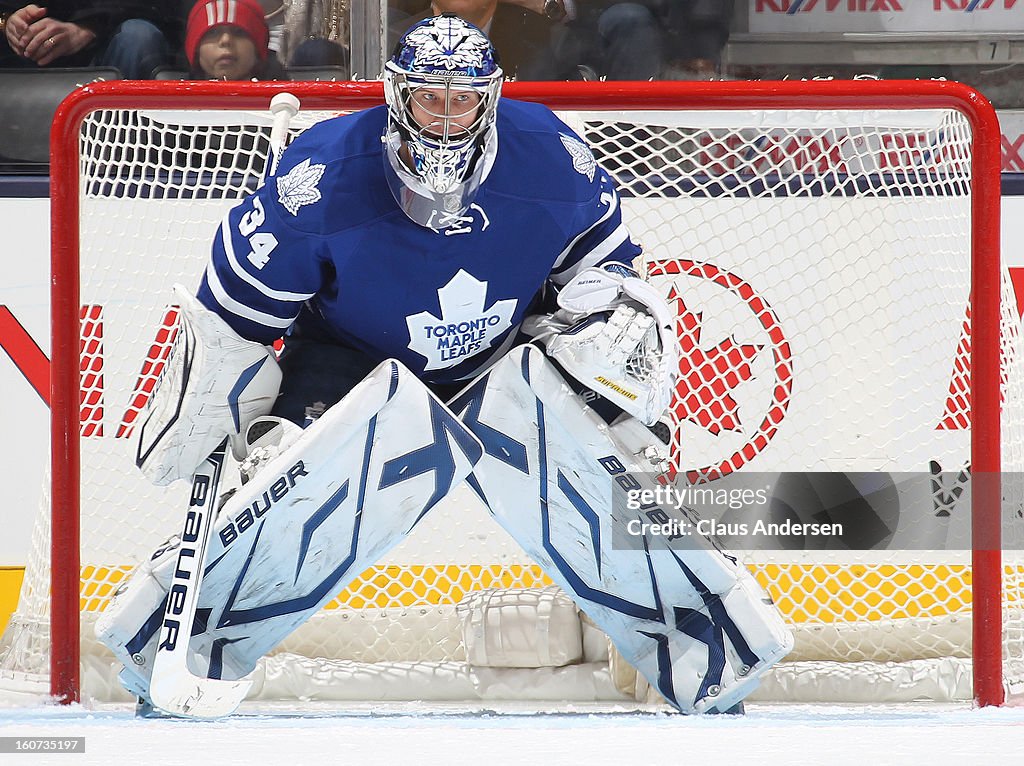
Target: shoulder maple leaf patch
<point>583,161</point>
<point>298,186</point>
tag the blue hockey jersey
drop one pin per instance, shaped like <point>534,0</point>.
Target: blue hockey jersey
<point>325,247</point>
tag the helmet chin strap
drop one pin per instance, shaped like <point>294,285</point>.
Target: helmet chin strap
<point>422,203</point>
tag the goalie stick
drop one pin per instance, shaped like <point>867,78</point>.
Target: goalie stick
<point>174,688</point>
<point>283,106</point>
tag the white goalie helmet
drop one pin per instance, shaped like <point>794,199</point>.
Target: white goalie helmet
<point>442,86</point>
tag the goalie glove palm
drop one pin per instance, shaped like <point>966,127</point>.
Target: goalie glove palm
<point>622,344</point>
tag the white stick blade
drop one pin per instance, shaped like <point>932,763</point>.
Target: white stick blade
<point>187,696</point>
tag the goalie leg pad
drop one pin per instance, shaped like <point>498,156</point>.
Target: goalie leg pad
<point>309,522</point>
<point>213,384</point>
<point>689,618</point>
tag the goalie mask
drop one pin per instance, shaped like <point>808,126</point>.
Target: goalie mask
<point>442,87</point>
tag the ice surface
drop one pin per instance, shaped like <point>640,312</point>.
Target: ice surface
<point>822,735</point>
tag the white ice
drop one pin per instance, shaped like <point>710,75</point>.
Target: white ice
<point>819,735</point>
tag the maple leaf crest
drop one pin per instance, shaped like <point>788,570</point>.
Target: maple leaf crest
<point>465,326</point>
<point>583,161</point>
<point>298,187</point>
<point>450,44</point>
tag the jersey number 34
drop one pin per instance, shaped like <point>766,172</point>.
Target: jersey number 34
<point>262,243</point>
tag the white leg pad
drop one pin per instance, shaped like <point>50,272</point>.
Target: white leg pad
<point>690,619</point>
<point>213,384</point>
<point>307,524</point>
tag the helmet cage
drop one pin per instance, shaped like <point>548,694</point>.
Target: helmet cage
<point>443,153</point>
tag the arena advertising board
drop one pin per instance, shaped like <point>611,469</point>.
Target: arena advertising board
<point>838,16</point>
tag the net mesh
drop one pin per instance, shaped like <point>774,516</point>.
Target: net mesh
<point>818,264</point>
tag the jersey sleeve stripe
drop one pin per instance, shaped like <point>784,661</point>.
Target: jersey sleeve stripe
<point>597,254</point>
<point>612,207</point>
<point>245,276</point>
<point>241,310</point>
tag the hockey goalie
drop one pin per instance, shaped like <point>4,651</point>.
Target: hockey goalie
<point>453,282</point>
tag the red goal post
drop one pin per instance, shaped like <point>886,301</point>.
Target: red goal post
<point>806,97</point>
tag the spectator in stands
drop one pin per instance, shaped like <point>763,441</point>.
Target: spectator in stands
<point>312,32</point>
<point>134,37</point>
<point>696,34</point>
<point>520,30</point>
<point>641,39</point>
<point>320,52</point>
<point>618,40</point>
<point>229,41</point>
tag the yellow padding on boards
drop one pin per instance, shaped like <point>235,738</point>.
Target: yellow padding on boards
<point>804,592</point>
<point>10,586</point>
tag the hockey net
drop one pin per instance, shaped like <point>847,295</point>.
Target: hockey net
<point>818,241</point>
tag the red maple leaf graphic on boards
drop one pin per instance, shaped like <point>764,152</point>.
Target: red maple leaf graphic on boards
<point>707,376</point>
<point>702,370</point>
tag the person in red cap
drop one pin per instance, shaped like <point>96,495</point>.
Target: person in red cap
<point>227,40</point>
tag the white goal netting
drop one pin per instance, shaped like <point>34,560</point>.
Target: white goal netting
<point>820,264</point>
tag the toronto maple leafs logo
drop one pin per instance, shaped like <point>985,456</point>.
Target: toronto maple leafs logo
<point>464,328</point>
<point>298,187</point>
<point>583,161</point>
<point>449,43</point>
